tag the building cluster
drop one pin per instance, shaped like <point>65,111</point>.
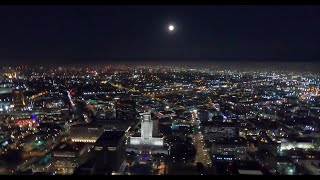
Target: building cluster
<point>158,120</point>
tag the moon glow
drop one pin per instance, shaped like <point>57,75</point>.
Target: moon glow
<point>171,27</point>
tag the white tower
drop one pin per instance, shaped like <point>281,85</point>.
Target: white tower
<point>146,126</point>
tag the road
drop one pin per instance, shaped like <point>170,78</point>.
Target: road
<point>202,153</point>
<point>71,101</point>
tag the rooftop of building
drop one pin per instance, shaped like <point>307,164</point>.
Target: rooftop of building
<point>231,141</point>
<point>93,125</point>
<point>69,146</point>
<point>298,139</point>
<point>249,168</point>
<point>110,138</point>
<point>217,124</point>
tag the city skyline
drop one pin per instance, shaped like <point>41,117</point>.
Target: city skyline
<point>159,90</point>
<point>158,120</point>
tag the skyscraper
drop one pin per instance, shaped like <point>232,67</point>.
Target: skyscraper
<point>110,152</point>
<point>147,141</point>
<point>147,132</point>
<point>18,99</point>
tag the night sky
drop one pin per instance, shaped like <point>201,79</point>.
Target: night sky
<point>54,34</point>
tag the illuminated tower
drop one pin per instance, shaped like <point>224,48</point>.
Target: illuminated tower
<point>146,126</point>
<point>18,99</point>
<point>147,132</point>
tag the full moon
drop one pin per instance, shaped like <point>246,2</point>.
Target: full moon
<point>171,27</point>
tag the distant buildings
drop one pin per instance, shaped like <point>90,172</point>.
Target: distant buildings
<point>5,90</point>
<point>228,116</point>
<point>125,110</point>
<point>297,143</point>
<point>235,149</point>
<point>219,131</point>
<point>6,101</point>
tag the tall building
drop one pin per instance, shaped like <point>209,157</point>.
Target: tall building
<point>148,141</point>
<point>146,127</point>
<point>155,128</point>
<point>147,132</point>
<point>110,152</point>
<point>18,99</point>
